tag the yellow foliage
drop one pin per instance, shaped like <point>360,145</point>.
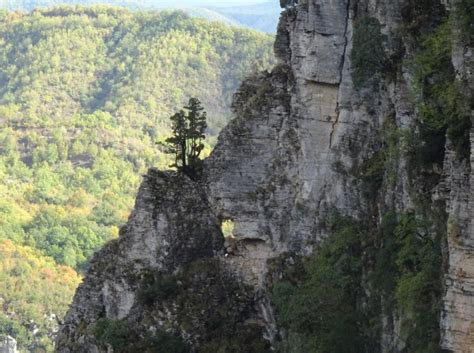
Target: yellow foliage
<point>36,288</point>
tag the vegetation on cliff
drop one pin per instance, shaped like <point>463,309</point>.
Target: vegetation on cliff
<point>367,55</point>
<point>373,277</point>
<point>202,299</point>
<point>187,141</point>
<point>443,109</point>
<point>334,300</point>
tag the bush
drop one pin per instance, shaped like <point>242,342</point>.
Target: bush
<point>421,16</point>
<point>367,55</point>
<point>419,283</point>
<point>465,14</point>
<point>443,109</point>
<point>112,332</point>
<point>323,309</point>
<point>156,288</point>
<point>164,342</point>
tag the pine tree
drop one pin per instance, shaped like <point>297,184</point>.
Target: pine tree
<point>188,126</point>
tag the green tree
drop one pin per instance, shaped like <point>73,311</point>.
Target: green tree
<point>188,136</point>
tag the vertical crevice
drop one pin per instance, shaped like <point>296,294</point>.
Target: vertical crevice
<point>341,69</point>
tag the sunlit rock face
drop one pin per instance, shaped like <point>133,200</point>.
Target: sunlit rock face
<point>289,159</point>
<point>271,171</point>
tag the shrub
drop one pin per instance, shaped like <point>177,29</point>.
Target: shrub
<point>443,109</point>
<point>323,309</point>
<point>155,288</point>
<point>163,342</point>
<point>112,332</point>
<point>465,14</point>
<point>367,55</point>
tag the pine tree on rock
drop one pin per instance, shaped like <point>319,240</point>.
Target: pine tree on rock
<point>188,126</point>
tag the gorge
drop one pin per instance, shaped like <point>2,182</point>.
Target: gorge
<point>346,173</point>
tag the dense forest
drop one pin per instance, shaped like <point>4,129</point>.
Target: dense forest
<point>263,16</point>
<point>85,95</point>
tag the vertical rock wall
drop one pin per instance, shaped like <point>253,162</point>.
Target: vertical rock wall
<point>272,172</point>
<point>458,305</point>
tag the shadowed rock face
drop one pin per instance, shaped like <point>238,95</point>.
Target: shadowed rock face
<point>287,161</point>
<point>171,226</point>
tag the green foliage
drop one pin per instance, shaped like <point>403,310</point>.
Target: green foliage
<point>157,288</point>
<point>407,275</point>
<point>164,342</point>
<point>367,55</point>
<point>245,339</point>
<point>422,16</point>
<point>34,293</point>
<point>323,310</point>
<point>116,334</point>
<point>262,16</point>
<point>112,332</point>
<point>372,174</point>
<point>187,141</point>
<point>442,107</point>
<point>221,314</point>
<point>465,15</point>
<point>383,164</point>
<point>337,303</point>
<point>419,284</point>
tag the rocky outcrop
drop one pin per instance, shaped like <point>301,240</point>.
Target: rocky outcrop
<point>8,345</point>
<point>307,142</point>
<point>174,237</point>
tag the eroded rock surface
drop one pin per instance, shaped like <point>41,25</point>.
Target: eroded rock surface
<point>458,305</point>
<point>8,345</point>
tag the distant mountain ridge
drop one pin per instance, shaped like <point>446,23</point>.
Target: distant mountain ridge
<point>262,16</point>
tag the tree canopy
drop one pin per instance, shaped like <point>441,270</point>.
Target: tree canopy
<point>186,143</point>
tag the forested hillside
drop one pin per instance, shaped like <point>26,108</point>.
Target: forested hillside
<point>85,94</point>
<point>262,17</point>
<point>35,294</point>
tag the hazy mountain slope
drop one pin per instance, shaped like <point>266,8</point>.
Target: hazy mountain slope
<point>262,17</point>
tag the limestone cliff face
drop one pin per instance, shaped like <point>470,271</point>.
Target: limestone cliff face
<point>172,234</point>
<point>8,345</point>
<point>458,306</point>
<point>296,152</point>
